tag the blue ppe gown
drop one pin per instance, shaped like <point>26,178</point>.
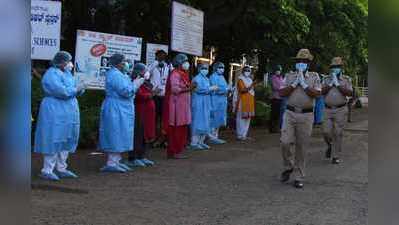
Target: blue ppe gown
<point>218,101</point>
<point>117,113</point>
<point>319,110</point>
<point>58,121</point>
<point>201,106</point>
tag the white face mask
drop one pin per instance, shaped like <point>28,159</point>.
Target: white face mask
<point>186,66</point>
<point>247,73</point>
<point>204,72</point>
<point>69,66</point>
<point>147,75</point>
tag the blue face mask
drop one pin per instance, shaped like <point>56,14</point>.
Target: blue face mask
<point>204,72</point>
<point>336,71</point>
<point>301,67</point>
<point>220,71</point>
<point>126,67</point>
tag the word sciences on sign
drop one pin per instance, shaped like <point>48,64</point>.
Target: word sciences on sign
<point>187,29</point>
<point>45,29</point>
<point>93,50</point>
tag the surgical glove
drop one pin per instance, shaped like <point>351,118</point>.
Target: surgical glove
<point>295,83</point>
<point>81,86</point>
<point>336,82</point>
<point>301,78</point>
<point>214,88</point>
<point>138,82</point>
<point>147,75</point>
<point>303,84</point>
<point>333,77</point>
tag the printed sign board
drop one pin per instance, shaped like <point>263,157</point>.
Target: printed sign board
<point>187,29</point>
<point>45,29</point>
<point>93,50</point>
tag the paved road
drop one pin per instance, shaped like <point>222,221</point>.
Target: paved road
<point>235,184</point>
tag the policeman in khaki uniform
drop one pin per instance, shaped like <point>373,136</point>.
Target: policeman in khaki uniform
<point>301,88</point>
<point>336,88</point>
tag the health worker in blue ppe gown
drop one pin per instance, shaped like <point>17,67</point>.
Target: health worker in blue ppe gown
<point>319,108</point>
<point>117,114</point>
<point>201,108</point>
<point>218,102</point>
<point>57,131</point>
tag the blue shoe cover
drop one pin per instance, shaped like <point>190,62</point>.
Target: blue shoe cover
<point>217,141</point>
<point>125,167</point>
<point>139,163</point>
<point>147,162</point>
<point>113,169</point>
<point>205,146</point>
<point>196,147</point>
<point>49,176</point>
<point>67,174</point>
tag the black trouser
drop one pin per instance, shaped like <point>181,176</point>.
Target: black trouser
<point>139,142</point>
<point>275,115</point>
<point>158,110</point>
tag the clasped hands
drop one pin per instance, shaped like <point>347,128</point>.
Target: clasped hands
<point>334,80</point>
<point>300,80</point>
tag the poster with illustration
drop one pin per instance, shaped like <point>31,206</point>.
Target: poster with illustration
<point>93,50</point>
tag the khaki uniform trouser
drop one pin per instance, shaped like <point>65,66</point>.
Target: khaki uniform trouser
<point>333,128</point>
<point>296,130</point>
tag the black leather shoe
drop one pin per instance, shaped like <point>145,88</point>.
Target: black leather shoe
<point>285,176</point>
<point>336,160</point>
<point>328,152</point>
<point>298,184</point>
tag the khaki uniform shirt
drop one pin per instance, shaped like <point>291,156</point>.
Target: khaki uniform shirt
<point>298,97</point>
<point>334,97</point>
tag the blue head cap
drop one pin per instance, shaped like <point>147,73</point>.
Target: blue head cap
<point>61,57</point>
<point>217,65</point>
<point>139,69</point>
<point>116,59</point>
<point>179,60</point>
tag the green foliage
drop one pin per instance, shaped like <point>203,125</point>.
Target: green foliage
<point>276,28</point>
<point>90,104</point>
<point>262,107</point>
<point>262,114</point>
<point>36,97</point>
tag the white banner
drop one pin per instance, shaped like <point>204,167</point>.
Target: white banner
<point>93,50</point>
<point>45,29</point>
<point>187,29</point>
<point>152,49</point>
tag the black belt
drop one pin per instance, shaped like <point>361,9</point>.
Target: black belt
<point>335,107</point>
<point>299,110</point>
